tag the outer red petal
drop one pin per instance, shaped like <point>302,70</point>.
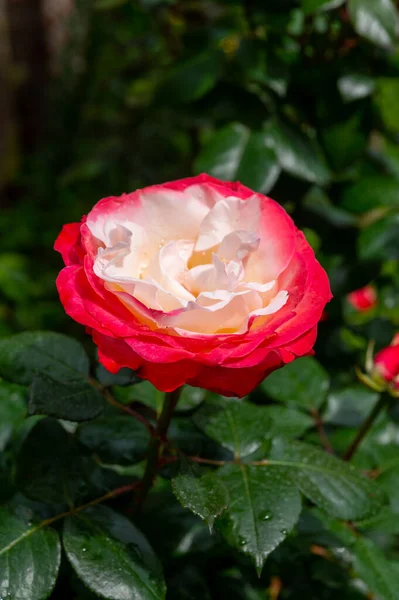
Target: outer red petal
<point>68,244</point>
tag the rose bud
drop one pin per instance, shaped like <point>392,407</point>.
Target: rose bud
<point>195,281</point>
<point>363,299</point>
<point>386,364</point>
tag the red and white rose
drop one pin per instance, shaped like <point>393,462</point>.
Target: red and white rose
<point>195,281</point>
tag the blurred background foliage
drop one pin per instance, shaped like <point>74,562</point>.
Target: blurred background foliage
<point>298,99</point>
<point>294,98</point>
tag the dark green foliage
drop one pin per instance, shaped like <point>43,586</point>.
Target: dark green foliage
<point>207,496</point>
<point>49,467</point>
<point>264,507</point>
<point>111,556</point>
<point>236,425</point>
<point>303,382</point>
<point>115,439</point>
<point>297,99</point>
<point>29,558</point>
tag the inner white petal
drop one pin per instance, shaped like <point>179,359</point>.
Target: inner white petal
<point>278,302</point>
<point>237,245</point>
<point>228,215</point>
<point>168,268</point>
<point>195,260</point>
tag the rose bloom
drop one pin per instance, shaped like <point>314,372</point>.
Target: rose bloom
<point>363,299</point>
<point>386,363</point>
<point>196,281</point>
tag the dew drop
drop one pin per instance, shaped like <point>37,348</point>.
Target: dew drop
<point>83,549</point>
<point>242,542</point>
<point>284,531</point>
<point>266,516</point>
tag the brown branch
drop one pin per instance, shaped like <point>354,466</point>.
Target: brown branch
<point>382,403</point>
<point>318,421</point>
<point>129,411</point>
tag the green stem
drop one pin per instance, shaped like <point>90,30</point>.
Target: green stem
<point>367,424</point>
<point>154,450</point>
<point>111,400</point>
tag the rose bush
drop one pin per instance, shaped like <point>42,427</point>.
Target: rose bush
<point>195,281</point>
<point>109,488</point>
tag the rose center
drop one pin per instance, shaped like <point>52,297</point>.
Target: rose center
<point>211,281</point>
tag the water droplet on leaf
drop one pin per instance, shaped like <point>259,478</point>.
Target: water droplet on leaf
<point>266,516</point>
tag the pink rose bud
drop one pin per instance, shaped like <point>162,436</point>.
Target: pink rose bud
<point>386,363</point>
<point>196,281</point>
<point>363,299</point>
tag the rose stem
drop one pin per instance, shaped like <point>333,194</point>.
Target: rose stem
<point>384,400</point>
<point>318,421</point>
<point>170,401</point>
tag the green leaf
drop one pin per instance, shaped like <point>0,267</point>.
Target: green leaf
<point>15,281</point>
<point>297,154</point>
<point>116,439</point>
<point>112,557</point>
<point>370,193</point>
<point>124,376</point>
<point>344,142</point>
<point>311,6</point>
<point>386,100</point>
<point>190,398</point>
<point>12,410</point>
<point>338,528</point>
<point>145,393</point>
<point>264,507</point>
<point>333,485</point>
<point>74,401</point>
<point>389,482</point>
<point>379,240</point>
<point>386,521</point>
<point>236,153</point>
<point>237,425</point>
<point>355,86</point>
<point>288,422</point>
<point>205,496</point>
<point>191,79</point>
<point>189,439</point>
<point>303,382</point>
<point>380,575</point>
<point>30,557</point>
<point>312,238</point>
<point>375,20</point>
<point>317,201</point>
<point>48,465</point>
<point>349,407</point>
<point>24,355</point>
